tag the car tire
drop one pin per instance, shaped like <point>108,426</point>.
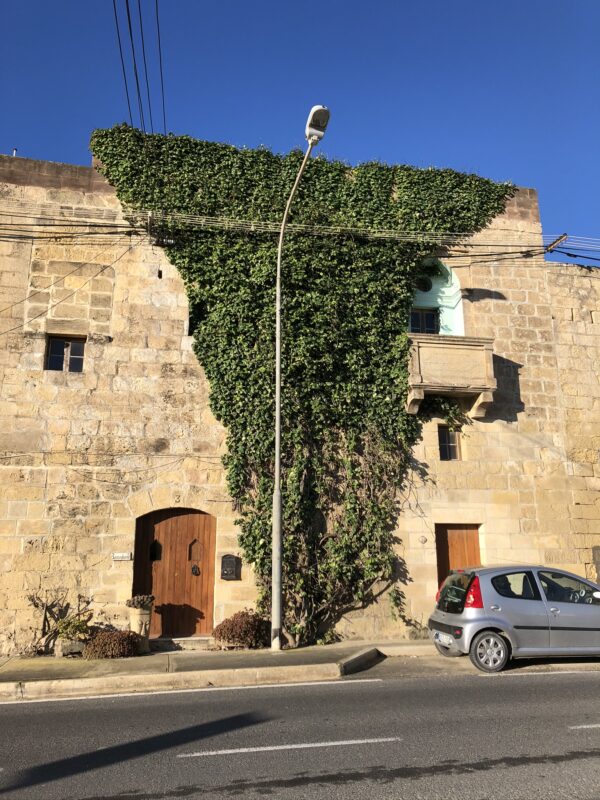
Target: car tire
<point>489,651</point>
<point>446,652</point>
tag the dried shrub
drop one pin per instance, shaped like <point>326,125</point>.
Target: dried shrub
<point>60,619</point>
<point>112,644</point>
<point>244,629</point>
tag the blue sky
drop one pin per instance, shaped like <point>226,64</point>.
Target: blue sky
<point>504,88</point>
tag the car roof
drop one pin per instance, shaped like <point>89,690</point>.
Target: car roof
<point>490,570</point>
<point>501,568</point>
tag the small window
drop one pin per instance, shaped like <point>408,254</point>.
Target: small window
<point>65,354</point>
<point>424,320</point>
<point>519,585</point>
<point>155,550</point>
<point>561,588</point>
<point>449,442</point>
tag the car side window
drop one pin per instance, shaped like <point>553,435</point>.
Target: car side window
<point>561,588</point>
<point>519,585</point>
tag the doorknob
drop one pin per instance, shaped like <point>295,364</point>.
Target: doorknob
<point>554,610</point>
<point>494,608</point>
<point>195,569</point>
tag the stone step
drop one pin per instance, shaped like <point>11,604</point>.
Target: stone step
<point>166,643</point>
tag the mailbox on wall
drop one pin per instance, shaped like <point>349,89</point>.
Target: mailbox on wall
<point>231,568</point>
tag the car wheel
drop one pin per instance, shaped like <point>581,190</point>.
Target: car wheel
<point>489,651</point>
<point>445,651</point>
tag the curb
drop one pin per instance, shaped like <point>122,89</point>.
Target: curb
<point>417,649</point>
<point>359,661</point>
<point>372,655</point>
<point>17,691</point>
<point>22,691</point>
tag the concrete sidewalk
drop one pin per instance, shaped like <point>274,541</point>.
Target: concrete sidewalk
<point>47,677</point>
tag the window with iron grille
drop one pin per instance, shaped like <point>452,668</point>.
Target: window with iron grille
<point>65,354</point>
<point>449,442</point>
<point>424,320</point>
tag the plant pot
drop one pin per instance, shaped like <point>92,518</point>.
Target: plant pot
<point>139,622</point>
<point>68,647</point>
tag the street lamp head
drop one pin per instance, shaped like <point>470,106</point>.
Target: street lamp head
<point>316,123</point>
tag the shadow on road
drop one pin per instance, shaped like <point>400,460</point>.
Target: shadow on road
<point>375,774</point>
<point>67,767</point>
<point>556,663</point>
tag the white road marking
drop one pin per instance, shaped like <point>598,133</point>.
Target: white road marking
<point>581,727</point>
<point>189,691</point>
<point>299,746</point>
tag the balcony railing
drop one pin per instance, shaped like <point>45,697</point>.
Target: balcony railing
<point>456,366</point>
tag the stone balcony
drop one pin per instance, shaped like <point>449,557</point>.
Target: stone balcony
<point>455,366</point>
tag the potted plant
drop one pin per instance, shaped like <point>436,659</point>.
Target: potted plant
<point>140,611</point>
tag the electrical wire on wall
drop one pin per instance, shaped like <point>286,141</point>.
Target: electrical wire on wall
<point>79,288</point>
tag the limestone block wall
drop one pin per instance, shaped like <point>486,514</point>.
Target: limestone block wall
<point>528,474</point>
<point>575,300</point>
<point>82,455</point>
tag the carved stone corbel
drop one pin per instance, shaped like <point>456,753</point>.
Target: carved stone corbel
<point>484,401</point>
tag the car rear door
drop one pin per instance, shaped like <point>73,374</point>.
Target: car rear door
<point>573,610</point>
<point>515,597</point>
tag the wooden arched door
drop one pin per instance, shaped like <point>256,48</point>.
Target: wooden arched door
<point>174,560</point>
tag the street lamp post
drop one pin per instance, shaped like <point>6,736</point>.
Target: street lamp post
<point>315,128</point>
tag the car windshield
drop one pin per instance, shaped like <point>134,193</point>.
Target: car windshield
<point>453,592</point>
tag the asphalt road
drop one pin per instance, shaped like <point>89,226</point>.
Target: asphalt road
<point>428,729</point>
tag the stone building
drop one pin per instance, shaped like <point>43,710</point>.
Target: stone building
<point>111,479</point>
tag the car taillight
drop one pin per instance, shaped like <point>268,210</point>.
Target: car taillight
<point>473,598</point>
<point>437,594</point>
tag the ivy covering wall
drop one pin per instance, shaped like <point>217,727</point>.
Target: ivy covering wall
<point>346,439</point>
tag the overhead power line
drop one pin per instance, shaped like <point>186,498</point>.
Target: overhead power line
<point>139,4</point>
<point>139,219</point>
<point>575,255</point>
<point>152,218</point>
<point>110,454</point>
<point>122,62</point>
<point>135,69</point>
<point>160,62</point>
<point>151,221</point>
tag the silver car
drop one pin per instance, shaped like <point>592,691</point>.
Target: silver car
<point>498,613</point>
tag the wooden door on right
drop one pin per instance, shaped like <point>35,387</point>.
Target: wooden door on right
<point>457,547</point>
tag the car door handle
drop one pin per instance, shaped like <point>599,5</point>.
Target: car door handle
<point>494,608</point>
<point>555,610</point>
